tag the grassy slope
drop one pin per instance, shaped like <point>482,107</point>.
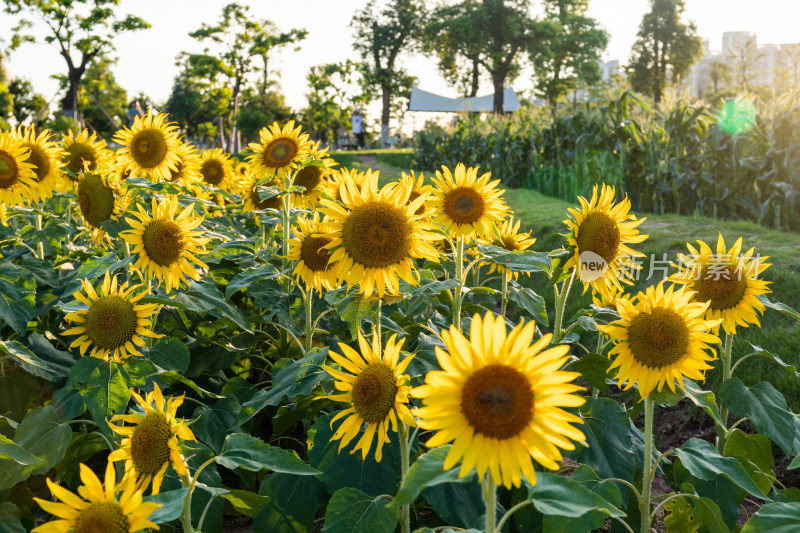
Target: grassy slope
<point>669,234</point>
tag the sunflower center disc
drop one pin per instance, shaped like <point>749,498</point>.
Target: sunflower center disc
<point>273,202</point>
<point>279,153</point>
<point>95,200</point>
<point>721,284</point>
<point>506,242</point>
<point>658,339</point>
<point>39,160</point>
<point>464,205</point>
<point>78,154</point>
<point>150,444</point>
<point>111,322</point>
<point>149,148</point>
<point>105,517</point>
<point>309,177</point>
<point>163,242</point>
<point>314,255</point>
<point>377,235</point>
<point>413,196</point>
<point>374,392</point>
<point>9,171</point>
<point>497,401</point>
<point>212,172</point>
<point>599,233</point>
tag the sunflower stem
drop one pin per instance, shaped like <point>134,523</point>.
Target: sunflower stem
<point>459,260</point>
<point>722,431</point>
<point>504,292</point>
<point>309,301</point>
<point>40,243</point>
<point>376,324</point>
<point>405,510</point>
<point>490,502</point>
<point>561,303</point>
<point>286,199</point>
<point>647,472</point>
<point>186,513</point>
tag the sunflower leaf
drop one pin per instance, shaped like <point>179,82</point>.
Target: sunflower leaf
<point>171,505</point>
<point>17,296</point>
<point>775,517</point>
<point>250,453</point>
<point>554,495</point>
<point>427,471</point>
<point>351,511</point>
<point>10,518</point>
<point>29,361</point>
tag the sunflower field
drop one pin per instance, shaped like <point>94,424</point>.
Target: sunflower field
<point>200,343</point>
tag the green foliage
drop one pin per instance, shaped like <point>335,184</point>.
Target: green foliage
<point>102,101</point>
<point>29,106</point>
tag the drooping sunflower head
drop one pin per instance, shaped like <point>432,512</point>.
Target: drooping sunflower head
<point>500,401</point>
<point>216,168</point>
<point>114,323</point>
<point>308,249</point>
<point>660,338</point>
<point>375,386</point>
<point>99,201</point>
<point>85,152</point>
<point>278,149</point>
<point>466,205</point>
<point>600,232</point>
<point>150,443</point>
<point>727,280</point>
<point>166,241</point>
<point>376,235</point>
<point>97,509</point>
<point>17,175</point>
<point>150,146</point>
<point>45,158</point>
<point>512,240</point>
<point>187,168</point>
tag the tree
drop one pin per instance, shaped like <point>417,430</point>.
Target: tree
<point>718,72</point>
<point>331,96</point>
<point>664,44</point>
<point>743,58</point>
<point>380,36</point>
<point>103,102</point>
<point>788,71</point>
<point>453,33</point>
<point>6,97</point>
<point>82,30</point>
<point>260,108</point>
<point>571,49</point>
<point>242,39</point>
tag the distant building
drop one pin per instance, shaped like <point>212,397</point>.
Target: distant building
<point>610,69</point>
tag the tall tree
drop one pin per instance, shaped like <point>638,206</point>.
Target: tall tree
<point>664,44</point>
<point>82,30</point>
<point>744,55</point>
<point>569,54</point>
<point>381,35</point>
<point>332,93</point>
<point>788,71</point>
<point>718,72</point>
<point>241,40</point>
<point>29,106</point>
<point>454,34</point>
<point>103,101</point>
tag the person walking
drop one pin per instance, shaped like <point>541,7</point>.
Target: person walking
<point>357,124</point>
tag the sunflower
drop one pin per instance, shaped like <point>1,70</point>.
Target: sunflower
<point>216,168</point>
<point>187,168</point>
<point>499,400</point>
<point>113,324</point>
<point>311,176</point>
<point>375,236</point>
<point>416,184</point>
<point>600,232</point>
<point>150,146</point>
<point>313,259</point>
<point>377,390</point>
<point>512,240</point>
<point>98,202</point>
<point>333,182</point>
<point>151,443</point>
<point>467,205</point>
<point>252,200</point>
<point>97,508</point>
<point>85,152</point>
<point>727,280</point>
<point>166,244</point>
<point>17,175</point>
<point>45,157</point>
<point>278,149</point>
<point>241,170</point>
<point>660,338</point>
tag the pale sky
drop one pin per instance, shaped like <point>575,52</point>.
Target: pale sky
<point>146,58</point>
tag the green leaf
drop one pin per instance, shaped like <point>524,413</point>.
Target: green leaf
<point>293,379</point>
<point>211,423</point>
<point>554,495</point>
<point>777,306</point>
<point>82,447</point>
<point>429,287</point>
<point>427,471</point>
<point>29,361</point>
<point>766,408</point>
<point>246,502</point>
<point>205,298</point>
<point>10,451</point>
<point>170,354</point>
<point>243,451</point>
<point>593,368</point>
<point>794,464</point>
<point>171,505</point>
<point>592,520</point>
<point>352,511</point>
<point>57,361</point>
<point>292,505</point>
<point>96,267</point>
<point>704,399</point>
<point>17,296</point>
<point>352,307</point>
<point>527,300</point>
<point>760,352</point>
<point>83,368</point>
<point>703,461</point>
<point>106,392</point>
<point>707,513</point>
<point>608,434</point>
<point>10,519</point>
<point>244,279</point>
<point>755,454</point>
<point>680,518</point>
<point>458,504</point>
<point>775,518</point>
<point>517,261</point>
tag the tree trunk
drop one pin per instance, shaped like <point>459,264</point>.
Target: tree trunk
<point>70,101</point>
<point>233,119</point>
<point>475,79</point>
<point>387,98</point>
<point>497,82</point>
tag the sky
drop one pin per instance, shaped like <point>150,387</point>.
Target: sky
<point>146,59</point>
